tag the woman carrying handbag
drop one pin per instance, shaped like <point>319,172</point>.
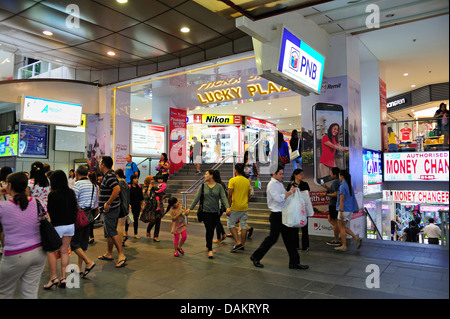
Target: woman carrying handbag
<point>23,257</point>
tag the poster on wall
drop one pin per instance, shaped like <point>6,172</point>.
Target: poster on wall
<point>177,139</point>
<point>96,140</point>
<point>147,139</point>
<point>331,136</point>
<point>372,172</point>
<point>33,140</point>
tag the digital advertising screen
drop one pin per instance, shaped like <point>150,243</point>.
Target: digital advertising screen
<point>8,145</point>
<point>33,140</point>
<point>50,112</point>
<point>372,172</point>
<point>416,166</point>
<point>147,139</point>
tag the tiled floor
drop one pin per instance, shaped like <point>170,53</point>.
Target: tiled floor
<point>152,272</point>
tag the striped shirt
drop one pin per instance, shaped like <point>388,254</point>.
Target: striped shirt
<point>109,181</point>
<point>83,191</point>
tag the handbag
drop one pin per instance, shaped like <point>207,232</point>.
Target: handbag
<point>50,239</point>
<point>200,212</point>
<point>81,221</point>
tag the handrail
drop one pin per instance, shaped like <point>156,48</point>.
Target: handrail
<point>217,166</point>
<point>373,223</point>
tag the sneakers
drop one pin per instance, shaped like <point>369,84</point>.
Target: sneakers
<point>236,248</point>
<point>340,248</point>
<point>358,243</point>
<point>334,243</point>
<point>176,254</point>
<point>181,251</point>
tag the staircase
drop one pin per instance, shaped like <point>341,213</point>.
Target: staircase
<point>258,213</point>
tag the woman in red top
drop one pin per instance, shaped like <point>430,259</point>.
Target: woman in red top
<point>330,144</point>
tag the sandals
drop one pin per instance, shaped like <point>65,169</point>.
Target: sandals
<point>87,270</point>
<point>54,281</point>
<point>121,263</point>
<point>62,284</point>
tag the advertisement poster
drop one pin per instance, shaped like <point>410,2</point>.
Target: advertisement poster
<point>333,117</point>
<point>97,126</point>
<point>177,139</point>
<point>9,145</point>
<point>33,140</point>
<point>147,139</point>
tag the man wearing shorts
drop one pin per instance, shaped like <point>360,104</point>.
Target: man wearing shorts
<point>109,202</point>
<point>238,195</point>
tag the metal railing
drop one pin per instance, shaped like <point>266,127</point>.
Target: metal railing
<point>198,182</point>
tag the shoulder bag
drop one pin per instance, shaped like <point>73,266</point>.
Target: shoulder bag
<point>200,212</point>
<point>49,237</point>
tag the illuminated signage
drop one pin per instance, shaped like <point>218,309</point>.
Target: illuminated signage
<point>220,93</point>
<point>429,197</point>
<point>258,124</point>
<point>372,173</point>
<point>51,112</point>
<point>147,139</point>
<point>420,166</point>
<point>217,119</point>
<point>9,145</point>
<point>299,62</point>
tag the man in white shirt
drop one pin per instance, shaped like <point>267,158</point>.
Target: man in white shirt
<point>433,232</point>
<point>276,196</point>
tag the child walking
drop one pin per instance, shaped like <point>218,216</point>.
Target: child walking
<point>178,215</point>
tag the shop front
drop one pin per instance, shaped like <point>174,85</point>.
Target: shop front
<point>264,131</point>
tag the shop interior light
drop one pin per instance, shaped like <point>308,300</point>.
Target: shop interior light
<point>122,1</point>
<point>46,32</point>
<point>185,29</point>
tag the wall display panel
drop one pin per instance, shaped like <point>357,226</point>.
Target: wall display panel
<point>33,140</point>
<point>147,139</point>
<point>71,139</point>
<point>8,145</point>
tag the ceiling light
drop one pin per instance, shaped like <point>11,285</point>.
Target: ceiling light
<point>285,109</point>
<point>46,32</point>
<point>390,15</point>
<point>185,29</point>
<point>111,53</point>
<point>413,86</point>
<point>122,1</point>
<point>405,74</point>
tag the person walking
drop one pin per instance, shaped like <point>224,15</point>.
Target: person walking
<point>295,144</point>
<point>212,193</point>
<point>197,154</point>
<point>276,197</point>
<point>23,258</point>
<point>346,205</point>
<point>86,194</point>
<point>62,209</point>
<point>136,201</point>
<point>130,168</point>
<point>432,231</point>
<point>124,200</point>
<point>332,193</point>
<point>239,193</point>
<point>110,205</point>
<point>92,176</point>
<point>38,184</point>
<point>220,231</point>
<point>297,180</point>
<point>178,215</point>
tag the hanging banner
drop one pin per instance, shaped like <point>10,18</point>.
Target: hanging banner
<point>177,139</point>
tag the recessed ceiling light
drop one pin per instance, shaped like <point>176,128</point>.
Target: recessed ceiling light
<point>413,86</point>
<point>390,15</point>
<point>122,1</point>
<point>285,109</point>
<point>46,32</point>
<point>405,74</point>
<point>185,29</point>
<point>111,53</point>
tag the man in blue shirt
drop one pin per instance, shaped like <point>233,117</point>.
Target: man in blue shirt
<point>130,169</point>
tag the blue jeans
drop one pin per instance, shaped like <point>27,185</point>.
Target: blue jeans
<point>393,147</point>
<point>298,161</point>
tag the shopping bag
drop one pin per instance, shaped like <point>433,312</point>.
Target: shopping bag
<point>294,154</point>
<point>308,205</point>
<point>294,212</point>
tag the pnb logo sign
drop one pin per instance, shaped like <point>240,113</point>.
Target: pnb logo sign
<point>299,62</point>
